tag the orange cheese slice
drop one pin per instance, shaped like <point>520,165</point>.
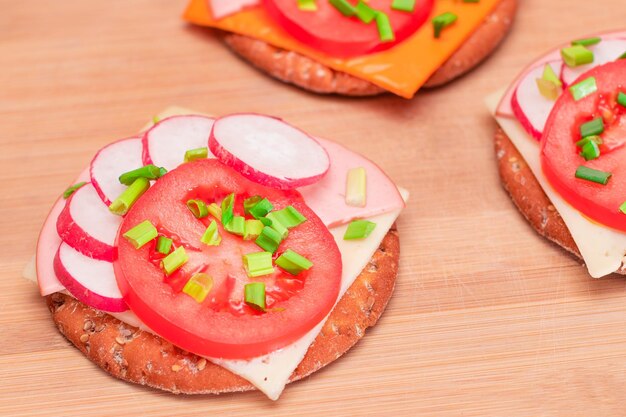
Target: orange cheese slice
<point>401,70</point>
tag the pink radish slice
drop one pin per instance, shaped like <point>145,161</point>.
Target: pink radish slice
<point>529,106</point>
<point>327,196</point>
<point>89,280</point>
<point>48,244</point>
<point>223,8</point>
<point>112,161</point>
<point>606,51</point>
<point>268,150</point>
<point>166,142</point>
<point>87,225</point>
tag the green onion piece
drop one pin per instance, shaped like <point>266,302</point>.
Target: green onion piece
<point>265,221</point>
<point>174,260</point>
<point>195,154</point>
<point>293,262</point>
<point>443,21</point>
<point>385,31</point>
<point>592,128</point>
<point>150,172</point>
<point>236,226</point>
<point>258,263</point>
<point>215,211</point>
<point>593,175</point>
<point>356,187</point>
<point>622,56</point>
<point>364,12</point>
<point>252,229</point>
<point>162,171</point>
<point>576,55</point>
<point>621,99</point>
<point>584,88</point>
<point>211,235</point>
<point>155,120</point>
<point>227,208</point>
<point>288,217</point>
<point>583,141</point>
<point>278,226</point>
<point>403,5</point>
<point>164,245</point>
<point>586,41</point>
<point>590,150</point>
<point>254,295</point>
<point>198,286</point>
<point>344,7</point>
<point>359,229</point>
<point>550,75</point>
<point>307,5</point>
<point>622,208</point>
<point>250,202</point>
<point>72,189</point>
<point>547,89</point>
<point>261,209</point>
<point>141,234</point>
<point>198,208</point>
<point>125,201</point>
<point>269,239</point>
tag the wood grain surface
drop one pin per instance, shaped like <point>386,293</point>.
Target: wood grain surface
<point>488,319</point>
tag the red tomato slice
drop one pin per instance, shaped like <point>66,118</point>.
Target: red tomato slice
<point>329,31</point>
<point>560,156</point>
<point>223,325</point>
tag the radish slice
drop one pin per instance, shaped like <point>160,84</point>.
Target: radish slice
<point>223,8</point>
<point>268,151</point>
<point>87,225</point>
<point>603,52</point>
<point>166,142</point>
<point>529,106</point>
<point>112,161</point>
<point>89,280</point>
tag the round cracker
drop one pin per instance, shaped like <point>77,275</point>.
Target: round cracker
<point>527,194</point>
<point>309,74</point>
<point>143,358</point>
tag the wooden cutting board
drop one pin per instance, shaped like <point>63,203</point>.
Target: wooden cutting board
<point>488,319</point>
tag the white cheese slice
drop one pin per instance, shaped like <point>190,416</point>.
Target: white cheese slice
<point>602,248</point>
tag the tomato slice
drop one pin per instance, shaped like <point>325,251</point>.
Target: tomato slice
<point>560,156</point>
<point>329,31</point>
<point>223,325</point>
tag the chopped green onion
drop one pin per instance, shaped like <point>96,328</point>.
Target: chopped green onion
<point>590,150</point>
<point>586,41</point>
<point>258,263</point>
<point>198,286</point>
<point>227,208</point>
<point>141,234</point>
<point>250,202</point>
<point>194,154</point>
<point>269,239</point>
<point>622,56</point>
<point>443,21</point>
<point>622,208</point>
<point>621,99</point>
<point>293,262</point>
<point>344,7</point>
<point>162,171</point>
<point>576,55</point>
<point>385,31</point>
<point>548,89</point>
<point>356,187</point>
<point>215,211</point>
<point>236,226</point>
<point>593,175</point>
<point>592,128</point>
<point>254,295</point>
<point>583,141</point>
<point>359,229</point>
<point>550,75</point>
<point>307,5</point>
<point>288,217</point>
<point>150,172</point>
<point>164,245</point>
<point>72,189</point>
<point>252,229</point>
<point>265,221</point>
<point>584,88</point>
<point>403,5</point>
<point>198,208</point>
<point>261,208</point>
<point>278,226</point>
<point>211,235</point>
<point>364,12</point>
<point>155,120</point>
<point>125,201</point>
<point>174,260</point>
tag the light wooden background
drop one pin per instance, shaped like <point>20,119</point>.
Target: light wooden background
<point>487,319</point>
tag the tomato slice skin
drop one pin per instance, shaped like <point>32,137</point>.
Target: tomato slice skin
<point>560,155</point>
<point>329,31</point>
<point>218,327</point>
